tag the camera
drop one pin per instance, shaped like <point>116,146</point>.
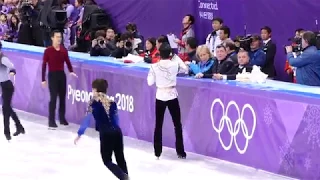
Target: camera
<point>245,42</point>
<point>101,41</point>
<point>26,11</point>
<point>296,44</point>
<point>128,45</point>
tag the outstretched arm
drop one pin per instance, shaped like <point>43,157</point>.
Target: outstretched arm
<point>85,124</point>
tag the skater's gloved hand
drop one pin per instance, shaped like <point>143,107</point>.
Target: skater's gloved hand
<point>44,83</point>
<point>77,139</point>
<point>73,74</point>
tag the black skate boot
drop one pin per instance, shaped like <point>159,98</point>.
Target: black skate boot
<point>8,137</point>
<point>64,122</point>
<point>182,155</point>
<point>53,125</point>
<point>20,130</point>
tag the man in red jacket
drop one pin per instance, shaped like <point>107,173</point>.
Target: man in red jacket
<point>55,56</point>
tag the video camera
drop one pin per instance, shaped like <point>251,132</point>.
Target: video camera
<point>296,44</point>
<point>26,11</point>
<point>245,42</point>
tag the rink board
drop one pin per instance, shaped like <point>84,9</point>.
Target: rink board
<point>272,126</point>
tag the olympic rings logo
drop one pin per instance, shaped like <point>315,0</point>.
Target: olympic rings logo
<point>233,130</point>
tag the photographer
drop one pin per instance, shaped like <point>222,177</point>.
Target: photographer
<point>296,44</point>
<point>99,46</point>
<point>133,29</point>
<point>127,44</point>
<point>308,62</point>
<point>30,25</point>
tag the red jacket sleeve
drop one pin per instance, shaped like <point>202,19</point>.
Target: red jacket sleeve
<point>287,66</point>
<point>45,60</point>
<point>67,60</point>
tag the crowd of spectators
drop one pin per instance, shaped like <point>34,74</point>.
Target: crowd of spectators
<point>219,57</point>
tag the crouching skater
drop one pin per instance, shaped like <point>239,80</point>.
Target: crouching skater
<point>105,113</point>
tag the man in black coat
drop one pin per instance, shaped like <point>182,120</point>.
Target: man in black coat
<point>270,48</point>
<point>222,64</point>
<point>243,65</point>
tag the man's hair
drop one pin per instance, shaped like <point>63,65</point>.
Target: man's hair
<point>230,45</point>
<point>267,28</point>
<point>191,18</point>
<point>163,39</point>
<point>221,46</point>
<point>55,32</point>
<point>125,36</point>
<point>100,33</point>
<point>256,37</point>
<point>243,51</point>
<point>192,42</point>
<point>101,85</point>
<point>310,38</point>
<point>165,50</point>
<point>220,20</point>
<point>226,30</point>
<point>299,30</point>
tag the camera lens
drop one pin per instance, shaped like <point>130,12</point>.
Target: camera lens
<point>101,42</point>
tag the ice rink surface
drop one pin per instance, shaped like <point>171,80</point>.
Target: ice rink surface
<point>43,154</point>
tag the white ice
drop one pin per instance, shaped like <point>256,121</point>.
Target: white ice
<point>51,155</point>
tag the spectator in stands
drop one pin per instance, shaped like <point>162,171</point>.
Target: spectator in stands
<point>270,48</point>
<point>213,39</point>
<point>99,45</point>
<point>224,35</point>
<point>299,32</point>
<point>151,55</point>
<point>74,18</point>
<point>110,38</point>
<point>308,63</point>
<point>133,29</point>
<point>204,65</point>
<point>291,71</point>
<point>191,46</point>
<point>14,26</point>
<point>161,39</point>
<point>222,64</point>
<point>257,55</point>
<point>67,6</point>
<point>187,32</point>
<point>232,51</point>
<point>127,45</point>
<point>236,41</point>
<point>10,13</point>
<point>3,26</point>
<point>242,64</point>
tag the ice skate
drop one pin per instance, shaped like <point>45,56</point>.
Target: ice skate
<point>64,122</point>
<point>53,126</point>
<point>8,137</point>
<point>20,130</point>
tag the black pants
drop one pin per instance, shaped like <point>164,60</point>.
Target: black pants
<point>58,88</point>
<point>7,93</point>
<point>174,109</point>
<point>112,141</point>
